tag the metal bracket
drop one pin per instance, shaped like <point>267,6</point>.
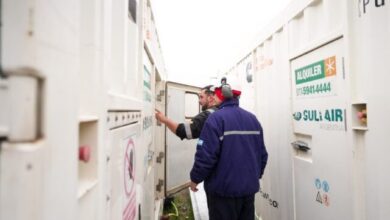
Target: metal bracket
<point>160,157</point>
<point>159,96</point>
<point>159,185</point>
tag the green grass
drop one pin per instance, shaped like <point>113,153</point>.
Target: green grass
<point>180,207</point>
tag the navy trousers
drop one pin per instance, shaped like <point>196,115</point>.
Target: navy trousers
<point>226,208</point>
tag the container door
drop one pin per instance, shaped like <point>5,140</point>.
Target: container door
<point>123,147</point>
<point>182,105</point>
<point>322,156</point>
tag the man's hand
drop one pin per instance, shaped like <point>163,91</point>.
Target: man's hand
<point>166,121</point>
<point>160,116</point>
<point>193,187</point>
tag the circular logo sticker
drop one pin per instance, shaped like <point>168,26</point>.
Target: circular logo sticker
<point>318,183</point>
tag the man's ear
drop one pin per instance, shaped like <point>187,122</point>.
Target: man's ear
<point>212,100</point>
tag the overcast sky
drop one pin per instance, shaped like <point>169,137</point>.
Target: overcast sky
<point>200,38</point>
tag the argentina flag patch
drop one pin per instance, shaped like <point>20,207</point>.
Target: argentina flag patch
<point>200,142</point>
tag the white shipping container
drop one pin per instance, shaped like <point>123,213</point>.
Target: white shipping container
<point>78,90</point>
<point>81,81</point>
<point>320,84</point>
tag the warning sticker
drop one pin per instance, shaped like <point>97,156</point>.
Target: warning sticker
<point>323,189</point>
<point>319,198</point>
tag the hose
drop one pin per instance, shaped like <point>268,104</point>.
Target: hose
<point>176,211</point>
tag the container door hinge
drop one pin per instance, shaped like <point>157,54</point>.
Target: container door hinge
<point>160,157</point>
<point>159,185</point>
<point>160,95</point>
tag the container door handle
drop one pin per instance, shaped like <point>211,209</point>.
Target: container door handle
<point>300,145</point>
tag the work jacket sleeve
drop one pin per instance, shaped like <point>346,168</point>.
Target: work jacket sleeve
<point>207,152</point>
<point>263,153</point>
<point>191,130</point>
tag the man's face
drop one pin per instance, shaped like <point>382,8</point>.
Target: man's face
<point>203,100</point>
<point>217,101</point>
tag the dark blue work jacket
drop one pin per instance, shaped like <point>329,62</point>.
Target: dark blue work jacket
<point>230,156</point>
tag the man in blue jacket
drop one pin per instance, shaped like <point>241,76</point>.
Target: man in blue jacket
<point>230,159</point>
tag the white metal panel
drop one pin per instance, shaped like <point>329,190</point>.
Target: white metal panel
<point>368,61</point>
<point>191,104</point>
<point>23,106</point>
<point>319,107</point>
<point>133,75</point>
<point>117,45</point>
<point>244,75</point>
<point>87,204</point>
<point>179,153</point>
<point>88,54</point>
<point>148,149</point>
<point>272,84</point>
<point>38,35</point>
<point>303,26</point>
<point>122,168</point>
<point>22,187</point>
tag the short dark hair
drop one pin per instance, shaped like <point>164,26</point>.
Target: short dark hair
<point>208,90</point>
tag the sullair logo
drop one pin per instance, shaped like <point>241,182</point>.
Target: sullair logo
<point>297,116</point>
<point>329,115</point>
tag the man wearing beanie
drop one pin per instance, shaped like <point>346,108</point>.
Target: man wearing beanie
<point>230,159</point>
